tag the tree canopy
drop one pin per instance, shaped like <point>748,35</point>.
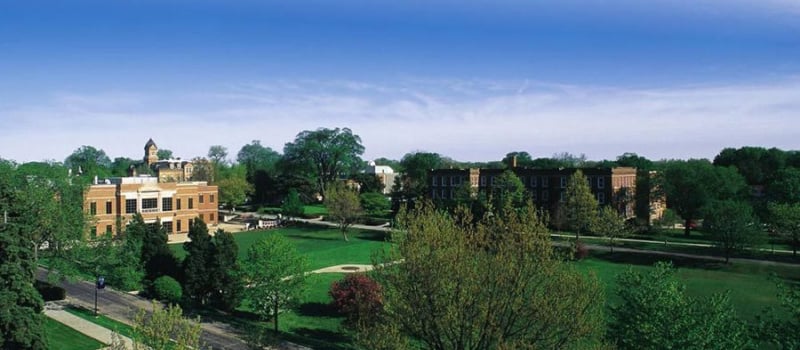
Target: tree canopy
<point>579,209</point>
<point>88,161</point>
<point>324,154</point>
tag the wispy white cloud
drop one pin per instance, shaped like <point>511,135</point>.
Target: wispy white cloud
<point>468,120</point>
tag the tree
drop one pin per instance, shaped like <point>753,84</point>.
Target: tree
<point>497,284</point>
<point>732,226</point>
<point>523,159</point>
<point>121,165</point>
<point>292,206</point>
<point>508,189</point>
<point>21,320</point>
<point>367,182</point>
<point>218,155</point>
<point>634,160</point>
<point>325,154</point>
<point>786,187</point>
<point>275,274</point>
<point>413,183</point>
<point>785,219</point>
<point>691,185</point>
<point>358,297</point>
<point>164,153</point>
<point>579,208</point>
<point>89,161</point>
<point>756,164</point>
<point>203,170</point>
<point>343,206</point>
<point>656,313</point>
<point>261,165</point>
<point>163,328</point>
<point>156,257</point>
<point>227,282</point>
<point>167,289</point>
<point>610,224</point>
<point>198,265</point>
<point>375,203</point>
<point>233,187</point>
<point>779,327</point>
<point>569,160</point>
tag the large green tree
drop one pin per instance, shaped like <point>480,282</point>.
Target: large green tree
<point>156,257</point>
<point>344,206</point>
<point>21,321</point>
<point>198,265</point>
<point>227,282</point>
<point>507,189</point>
<point>610,224</point>
<point>292,206</point>
<point>234,189</point>
<point>324,155</point>
<point>413,183</point>
<point>778,326</point>
<point>732,226</point>
<point>785,220</point>
<point>691,185</point>
<point>579,208</point>
<point>261,164</point>
<point>88,161</point>
<point>275,274</point>
<point>655,313</point>
<point>497,284</point>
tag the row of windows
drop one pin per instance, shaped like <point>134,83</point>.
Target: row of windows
<point>151,204</point>
<point>454,180</point>
<point>167,225</point>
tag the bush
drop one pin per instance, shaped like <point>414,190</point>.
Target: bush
<point>357,297</point>
<point>50,292</point>
<point>167,289</point>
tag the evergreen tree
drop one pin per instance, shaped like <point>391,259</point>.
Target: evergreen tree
<point>292,206</point>
<point>21,320</point>
<point>156,257</point>
<point>228,286</point>
<point>198,265</point>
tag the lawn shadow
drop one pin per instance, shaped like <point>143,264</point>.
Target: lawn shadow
<point>376,236</point>
<point>314,238</point>
<point>317,310</point>
<point>319,339</point>
<point>650,259</point>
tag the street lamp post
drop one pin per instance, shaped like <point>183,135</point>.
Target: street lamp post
<point>101,284</point>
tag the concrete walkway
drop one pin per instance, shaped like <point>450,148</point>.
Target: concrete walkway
<point>94,331</point>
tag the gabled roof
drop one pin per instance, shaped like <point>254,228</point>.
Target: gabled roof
<point>149,143</point>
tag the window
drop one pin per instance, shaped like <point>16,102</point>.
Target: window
<point>563,182</point>
<point>433,193</point>
<point>533,196</point>
<point>191,203</point>
<point>201,217</point>
<point>563,196</point>
<point>167,226</point>
<point>93,232</point>
<point>483,180</point>
<point>93,208</point>
<point>492,180</point>
<point>201,201</point>
<point>211,217</point>
<point>435,183</point>
<point>533,181</point>
<point>452,192</point>
<point>601,182</point>
<point>444,193</point>
<point>130,206</point>
<point>545,195</point>
<point>211,198</point>
<point>108,229</point>
<point>545,181</point>
<point>149,205</point>
<point>601,198</point>
<point>109,207</point>
<point>590,181</point>
<point>166,204</point>
<point>178,204</point>
<point>179,226</point>
<point>453,180</point>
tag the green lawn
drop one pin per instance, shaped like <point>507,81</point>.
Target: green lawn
<point>62,337</point>
<point>318,209</point>
<point>323,246</point>
<point>102,321</point>
<point>751,289</point>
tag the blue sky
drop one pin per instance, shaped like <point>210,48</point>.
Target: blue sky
<point>469,79</point>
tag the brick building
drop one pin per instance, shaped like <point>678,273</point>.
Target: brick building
<point>169,197</point>
<point>610,186</point>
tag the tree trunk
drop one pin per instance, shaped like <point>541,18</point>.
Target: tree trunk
<point>686,229</point>
<point>344,234</point>
<point>276,314</point>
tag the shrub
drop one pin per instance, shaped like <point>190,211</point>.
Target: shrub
<point>50,292</point>
<point>167,289</point>
<point>357,297</point>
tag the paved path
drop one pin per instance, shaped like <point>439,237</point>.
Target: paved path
<point>92,330</point>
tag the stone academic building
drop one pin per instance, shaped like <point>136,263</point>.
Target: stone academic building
<point>168,197</point>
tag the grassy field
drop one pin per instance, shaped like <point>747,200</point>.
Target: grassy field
<point>62,337</point>
<point>322,246</point>
<point>102,321</point>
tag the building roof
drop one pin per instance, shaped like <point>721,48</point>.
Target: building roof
<point>149,143</point>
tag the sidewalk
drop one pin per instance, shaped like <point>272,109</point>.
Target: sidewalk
<point>101,334</point>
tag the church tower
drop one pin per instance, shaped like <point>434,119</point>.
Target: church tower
<point>150,153</point>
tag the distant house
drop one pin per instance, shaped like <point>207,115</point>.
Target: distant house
<point>384,173</point>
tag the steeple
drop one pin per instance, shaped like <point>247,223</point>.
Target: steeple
<point>150,152</point>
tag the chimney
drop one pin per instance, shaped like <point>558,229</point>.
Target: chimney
<point>513,161</point>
